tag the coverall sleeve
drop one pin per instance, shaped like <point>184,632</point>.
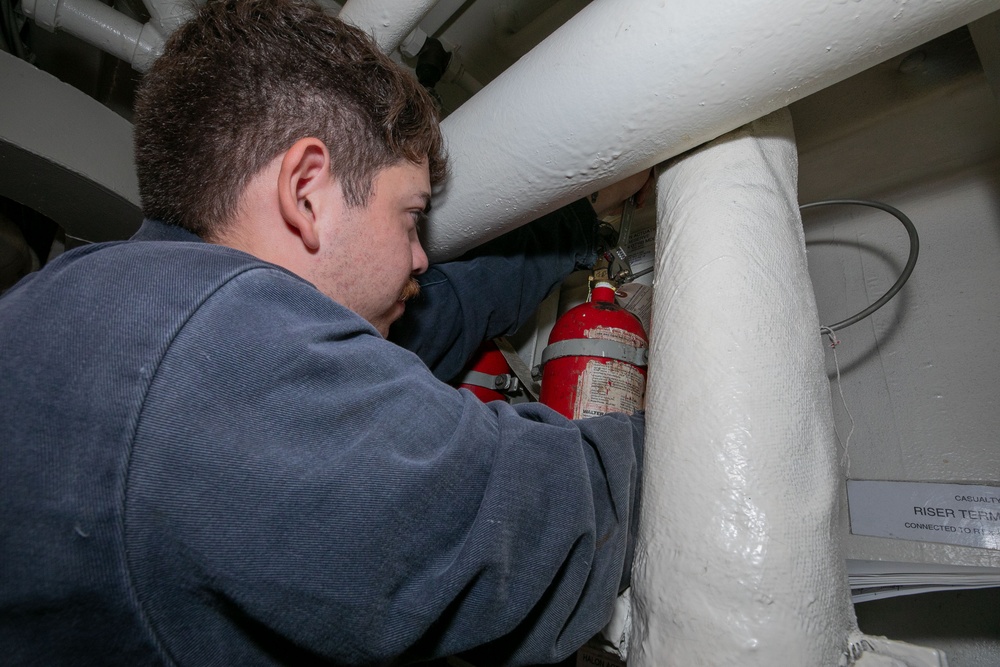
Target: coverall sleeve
<point>494,289</point>
<point>313,487</point>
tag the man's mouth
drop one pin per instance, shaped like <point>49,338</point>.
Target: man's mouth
<point>410,290</point>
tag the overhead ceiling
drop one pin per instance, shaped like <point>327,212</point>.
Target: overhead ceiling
<point>484,37</point>
<point>861,133</point>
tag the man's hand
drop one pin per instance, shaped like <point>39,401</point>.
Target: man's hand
<point>608,200</point>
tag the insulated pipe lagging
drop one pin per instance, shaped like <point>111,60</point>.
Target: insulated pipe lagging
<point>626,84</point>
<point>101,26</point>
<point>738,559</point>
<point>388,21</point>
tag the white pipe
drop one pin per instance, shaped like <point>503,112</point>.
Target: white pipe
<point>388,21</point>
<point>101,26</point>
<point>626,84</point>
<point>738,560</point>
<point>457,73</point>
<point>168,15</point>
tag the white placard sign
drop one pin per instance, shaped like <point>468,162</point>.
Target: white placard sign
<point>963,514</point>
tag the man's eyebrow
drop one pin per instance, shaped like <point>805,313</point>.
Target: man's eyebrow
<point>426,196</point>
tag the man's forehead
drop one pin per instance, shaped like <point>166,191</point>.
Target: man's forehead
<point>414,177</point>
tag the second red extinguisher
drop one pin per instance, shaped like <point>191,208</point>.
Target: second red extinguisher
<point>488,375</point>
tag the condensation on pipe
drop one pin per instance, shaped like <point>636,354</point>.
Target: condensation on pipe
<point>101,26</point>
<point>625,84</point>
<point>388,21</point>
<point>738,560</point>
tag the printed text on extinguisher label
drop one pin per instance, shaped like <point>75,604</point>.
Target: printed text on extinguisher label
<point>615,334</point>
<point>608,386</point>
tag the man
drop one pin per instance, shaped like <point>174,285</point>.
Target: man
<point>211,454</point>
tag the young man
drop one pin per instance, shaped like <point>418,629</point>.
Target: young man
<point>212,455</point>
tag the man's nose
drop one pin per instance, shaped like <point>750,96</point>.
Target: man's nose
<point>420,261</point>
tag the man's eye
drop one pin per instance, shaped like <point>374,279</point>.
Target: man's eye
<point>419,219</point>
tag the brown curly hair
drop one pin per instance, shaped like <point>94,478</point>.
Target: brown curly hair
<point>245,79</point>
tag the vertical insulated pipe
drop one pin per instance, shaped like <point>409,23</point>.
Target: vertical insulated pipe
<point>738,560</point>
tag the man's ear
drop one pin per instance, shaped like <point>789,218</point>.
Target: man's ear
<point>304,175</point>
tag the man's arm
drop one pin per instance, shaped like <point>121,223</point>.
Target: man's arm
<point>495,288</point>
<point>314,485</point>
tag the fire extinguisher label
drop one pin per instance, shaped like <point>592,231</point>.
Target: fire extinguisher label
<point>615,334</point>
<point>608,386</point>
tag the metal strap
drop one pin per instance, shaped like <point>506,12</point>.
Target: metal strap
<point>500,383</point>
<point>596,347</point>
<point>517,366</point>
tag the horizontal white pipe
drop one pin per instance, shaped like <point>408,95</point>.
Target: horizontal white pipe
<point>388,21</point>
<point>101,26</point>
<point>626,84</point>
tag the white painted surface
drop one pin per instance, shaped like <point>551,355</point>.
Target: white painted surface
<point>168,15</point>
<point>738,560</point>
<point>626,84</point>
<point>65,155</point>
<point>986,33</point>
<point>388,21</point>
<point>919,376</point>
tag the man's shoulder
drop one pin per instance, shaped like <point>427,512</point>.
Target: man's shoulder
<point>198,260</point>
<point>132,290</point>
<point>178,269</point>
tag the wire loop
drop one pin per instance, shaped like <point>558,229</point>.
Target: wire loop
<point>911,261</point>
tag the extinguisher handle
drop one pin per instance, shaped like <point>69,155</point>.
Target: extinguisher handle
<point>619,268</point>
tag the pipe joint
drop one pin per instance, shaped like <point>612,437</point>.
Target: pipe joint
<point>42,12</point>
<point>148,47</point>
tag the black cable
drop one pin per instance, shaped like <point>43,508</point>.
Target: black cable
<point>11,33</point>
<point>907,270</point>
<point>5,33</point>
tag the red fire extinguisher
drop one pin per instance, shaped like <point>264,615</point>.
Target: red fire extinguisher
<point>595,361</point>
<point>488,375</point>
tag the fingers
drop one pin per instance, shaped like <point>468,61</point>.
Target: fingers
<point>646,189</point>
